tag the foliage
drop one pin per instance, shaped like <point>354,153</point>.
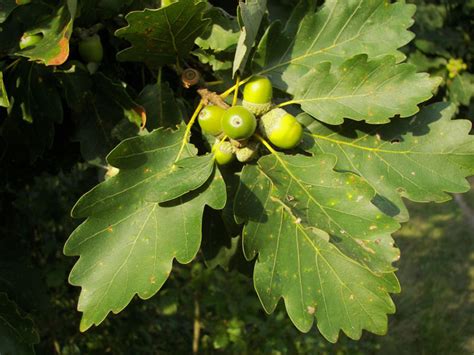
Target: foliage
<point>384,117</point>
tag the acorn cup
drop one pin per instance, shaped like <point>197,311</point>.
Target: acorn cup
<point>247,153</point>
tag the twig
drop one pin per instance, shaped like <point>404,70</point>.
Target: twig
<point>212,97</point>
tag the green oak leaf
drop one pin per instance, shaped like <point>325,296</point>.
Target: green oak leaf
<point>250,16</point>
<point>222,34</point>
<point>217,44</point>
<point>420,158</point>
<point>219,61</point>
<point>218,247</point>
<point>17,332</point>
<point>314,243</point>
<point>104,111</point>
<point>340,30</point>
<point>337,203</point>
<point>4,102</point>
<point>128,242</point>
<point>56,29</point>
<point>164,35</point>
<point>366,90</point>
<point>162,108</point>
<point>149,171</point>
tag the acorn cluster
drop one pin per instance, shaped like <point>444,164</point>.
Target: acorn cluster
<point>239,124</point>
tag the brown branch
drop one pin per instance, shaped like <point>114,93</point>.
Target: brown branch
<point>208,96</point>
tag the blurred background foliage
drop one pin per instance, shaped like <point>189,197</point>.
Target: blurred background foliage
<point>435,311</point>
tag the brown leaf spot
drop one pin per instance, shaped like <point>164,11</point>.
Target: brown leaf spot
<point>63,53</point>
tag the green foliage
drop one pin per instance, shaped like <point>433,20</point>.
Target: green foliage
<point>359,89</point>
<point>397,160</point>
<point>319,260</point>
<point>56,29</point>
<point>333,34</point>
<point>161,107</point>
<point>162,36</point>
<point>315,222</point>
<point>141,263</point>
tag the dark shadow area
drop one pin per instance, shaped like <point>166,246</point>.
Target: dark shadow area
<point>386,206</point>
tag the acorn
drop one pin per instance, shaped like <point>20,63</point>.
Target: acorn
<point>223,153</point>
<point>281,128</point>
<point>258,93</point>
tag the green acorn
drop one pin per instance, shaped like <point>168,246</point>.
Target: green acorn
<point>281,128</point>
<point>238,123</point>
<point>210,119</point>
<point>258,94</point>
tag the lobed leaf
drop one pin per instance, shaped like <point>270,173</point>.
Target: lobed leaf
<point>322,246</point>
<point>218,43</point>
<point>164,35</point>
<point>105,112</point>
<point>149,171</point>
<point>128,243</point>
<point>366,90</point>
<point>162,108</point>
<point>420,158</point>
<point>340,30</point>
<point>56,29</point>
<point>222,34</point>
